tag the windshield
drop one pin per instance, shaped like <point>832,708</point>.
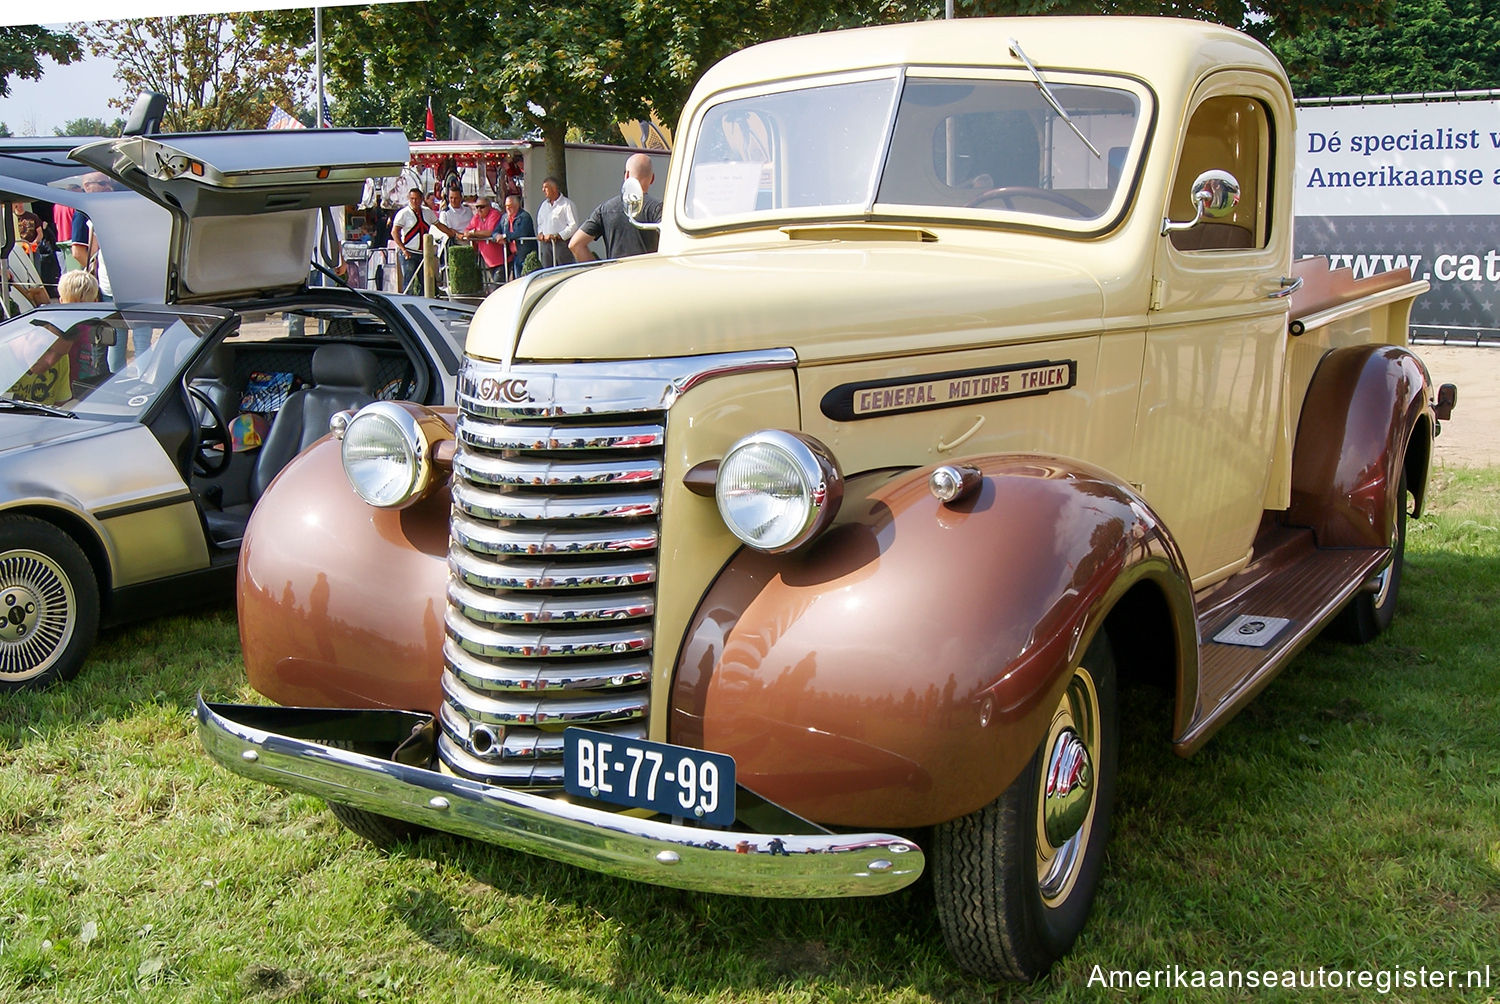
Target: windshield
<point>964,147</point>
<point>99,362</point>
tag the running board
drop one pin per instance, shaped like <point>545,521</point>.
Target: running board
<point>1251,625</point>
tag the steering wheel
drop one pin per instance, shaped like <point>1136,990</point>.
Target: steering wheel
<point>214,451</point>
<point>1007,194</point>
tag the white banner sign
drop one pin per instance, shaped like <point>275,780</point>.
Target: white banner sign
<point>1427,159</point>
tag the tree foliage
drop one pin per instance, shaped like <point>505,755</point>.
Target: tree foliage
<point>1426,45</point>
<point>544,67</point>
<point>218,71</point>
<point>23,46</point>
<point>89,127</point>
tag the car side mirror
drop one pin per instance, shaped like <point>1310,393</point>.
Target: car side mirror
<point>1215,196</point>
<point>633,196</point>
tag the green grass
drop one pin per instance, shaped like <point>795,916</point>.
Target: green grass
<point>1349,818</point>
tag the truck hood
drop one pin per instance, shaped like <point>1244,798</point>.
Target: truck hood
<point>828,301</point>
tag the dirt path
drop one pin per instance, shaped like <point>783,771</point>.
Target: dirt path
<point>1470,438</point>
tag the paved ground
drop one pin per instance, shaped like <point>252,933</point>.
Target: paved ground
<point>1472,437</point>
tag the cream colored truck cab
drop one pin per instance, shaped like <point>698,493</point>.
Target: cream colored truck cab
<point>973,380</point>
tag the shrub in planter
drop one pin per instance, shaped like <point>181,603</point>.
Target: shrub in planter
<point>463,270</point>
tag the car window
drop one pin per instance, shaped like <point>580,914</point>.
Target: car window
<point>103,363</point>
<point>281,343</point>
<point>968,145</point>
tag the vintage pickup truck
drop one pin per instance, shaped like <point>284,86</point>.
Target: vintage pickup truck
<point>973,381</point>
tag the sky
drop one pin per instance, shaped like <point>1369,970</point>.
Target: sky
<point>78,90</point>
<point>83,89</point>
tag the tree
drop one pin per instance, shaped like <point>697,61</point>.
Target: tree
<point>218,71</point>
<point>4,131</point>
<point>21,49</point>
<point>90,127</point>
<point>1427,45</point>
<point>538,68</point>
<point>544,67</point>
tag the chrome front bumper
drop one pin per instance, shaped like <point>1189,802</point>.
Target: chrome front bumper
<point>647,850</point>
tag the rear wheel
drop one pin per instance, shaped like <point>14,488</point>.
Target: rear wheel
<point>1372,610</point>
<point>1015,879</point>
<point>49,604</point>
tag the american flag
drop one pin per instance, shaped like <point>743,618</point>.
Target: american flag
<point>431,131</point>
<point>282,120</point>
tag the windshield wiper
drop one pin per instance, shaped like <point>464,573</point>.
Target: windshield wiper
<point>35,406</point>
<point>1041,83</point>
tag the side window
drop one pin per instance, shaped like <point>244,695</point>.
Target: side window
<point>1231,134</point>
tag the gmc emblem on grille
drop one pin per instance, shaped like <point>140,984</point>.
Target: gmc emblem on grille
<point>510,391</point>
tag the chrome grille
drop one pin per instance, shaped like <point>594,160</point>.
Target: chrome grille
<point>553,550</point>
<point>553,562</point>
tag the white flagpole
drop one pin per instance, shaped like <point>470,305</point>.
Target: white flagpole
<point>318,61</point>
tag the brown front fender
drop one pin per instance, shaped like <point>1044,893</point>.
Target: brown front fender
<point>904,669</point>
<point>1367,411</point>
<point>341,604</point>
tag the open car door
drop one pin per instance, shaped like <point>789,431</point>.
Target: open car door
<point>244,205</point>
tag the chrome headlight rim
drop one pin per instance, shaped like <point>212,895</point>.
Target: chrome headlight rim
<point>415,454</point>
<point>816,470</point>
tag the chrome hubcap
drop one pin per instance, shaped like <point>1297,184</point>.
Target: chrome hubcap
<point>1069,792</point>
<point>1065,796</point>
<point>36,604</point>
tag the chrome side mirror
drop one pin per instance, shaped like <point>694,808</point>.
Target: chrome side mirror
<point>634,199</point>
<point>1215,195</point>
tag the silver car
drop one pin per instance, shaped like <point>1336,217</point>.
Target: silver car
<point>136,434</point>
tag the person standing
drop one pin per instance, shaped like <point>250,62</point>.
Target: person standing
<point>483,231</point>
<point>457,217</point>
<point>609,223</point>
<point>520,234</point>
<point>556,223</point>
<point>414,221</point>
<point>455,214</point>
<point>62,220</point>
<point>31,236</point>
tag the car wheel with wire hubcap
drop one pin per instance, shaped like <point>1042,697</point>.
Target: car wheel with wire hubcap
<point>1015,879</point>
<point>49,604</point>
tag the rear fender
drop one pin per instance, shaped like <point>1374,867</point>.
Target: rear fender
<point>1367,410</point>
<point>905,667</point>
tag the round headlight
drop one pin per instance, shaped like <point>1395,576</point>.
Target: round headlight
<point>385,455</point>
<point>777,490</point>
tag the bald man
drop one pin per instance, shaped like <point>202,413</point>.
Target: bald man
<point>610,224</point>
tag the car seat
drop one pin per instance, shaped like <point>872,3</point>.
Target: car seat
<point>343,379</point>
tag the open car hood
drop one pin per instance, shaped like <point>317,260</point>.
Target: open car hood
<point>242,206</point>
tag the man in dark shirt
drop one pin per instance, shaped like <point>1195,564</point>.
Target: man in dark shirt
<point>621,237</point>
<point>519,231</point>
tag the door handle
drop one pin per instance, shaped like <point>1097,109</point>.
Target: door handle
<point>1288,287</point>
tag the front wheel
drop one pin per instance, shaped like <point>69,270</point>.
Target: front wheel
<point>49,604</point>
<point>1015,879</point>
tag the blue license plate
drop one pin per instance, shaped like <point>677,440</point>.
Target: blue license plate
<point>672,780</point>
